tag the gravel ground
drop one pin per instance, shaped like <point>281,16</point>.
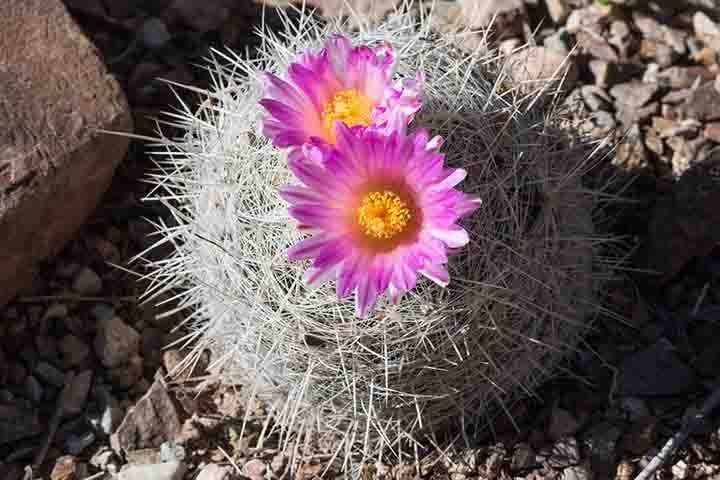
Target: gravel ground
<point>79,349</point>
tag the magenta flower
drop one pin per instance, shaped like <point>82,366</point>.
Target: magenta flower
<point>382,209</point>
<point>340,83</point>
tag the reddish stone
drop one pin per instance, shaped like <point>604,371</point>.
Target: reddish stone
<point>54,165</point>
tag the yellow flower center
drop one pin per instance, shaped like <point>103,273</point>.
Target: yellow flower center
<point>348,106</point>
<point>383,215</point>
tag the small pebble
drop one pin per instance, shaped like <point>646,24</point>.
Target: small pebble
<point>50,374</point>
<point>102,312</point>
<point>153,33</point>
<point>171,451</point>
<point>22,453</point>
<point>33,389</point>
<point>75,444</point>
<point>87,282</point>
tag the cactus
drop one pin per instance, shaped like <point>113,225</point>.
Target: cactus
<point>523,292</point>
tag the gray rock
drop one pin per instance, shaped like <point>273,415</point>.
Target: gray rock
<point>558,10</point>
<point>705,29</point>
<point>255,469</point>
<point>215,472</point>
<point>523,457</point>
<point>56,310</point>
<point>653,30</point>
<point>108,414</point>
<point>593,18</point>
<point>595,98</point>
<point>600,443</point>
<point>172,451</point>
<point>102,312</point>
<point>77,393</point>
<point>153,33</point>
<point>621,37</point>
<point>685,223</point>
<point>73,350</point>
<point>577,472</point>
<point>655,371</point>
<point>128,375</point>
<point>558,41</point>
<point>75,444</point>
<point>50,374</point>
<point>33,390</point>
<point>634,94</point>
<point>158,471</point>
<point>636,408</point>
<point>532,66</point>
<point>151,422</point>
<point>661,53</point>
<point>104,459</point>
<point>18,423</point>
<point>703,104</point>
<point>565,452</point>
<point>604,120</point>
<point>116,342</point>
<point>684,77</point>
<point>630,115</point>
<point>87,282</point>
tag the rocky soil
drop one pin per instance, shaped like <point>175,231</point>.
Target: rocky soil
<point>84,391</point>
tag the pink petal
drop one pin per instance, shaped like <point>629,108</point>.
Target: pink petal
<point>365,297</point>
<point>306,248</point>
<point>436,273</point>
<point>315,277</point>
<point>453,237</point>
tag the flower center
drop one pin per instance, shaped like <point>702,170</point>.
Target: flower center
<point>348,106</point>
<point>383,215</point>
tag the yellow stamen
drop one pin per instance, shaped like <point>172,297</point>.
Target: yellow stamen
<point>348,106</point>
<point>383,215</point>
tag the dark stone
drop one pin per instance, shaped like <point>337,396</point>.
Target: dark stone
<point>17,423</point>
<point>655,371</point>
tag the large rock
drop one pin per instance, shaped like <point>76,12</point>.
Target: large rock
<point>151,422</point>
<point>685,223</point>
<point>54,164</point>
<point>17,423</point>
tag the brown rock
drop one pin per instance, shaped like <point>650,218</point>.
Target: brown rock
<point>73,350</point>
<point>558,10</point>
<point>66,468</point>
<point>684,77</point>
<point>705,29</point>
<point>127,375</point>
<point>703,104</point>
<point>592,18</point>
<point>54,165</point>
<point>171,360</point>
<point>634,94</point>
<point>631,153</point>
<point>660,52</point>
<point>116,342</point>
<point>712,131</point>
<point>685,223</point>
<point>535,66</point>
<point>77,393</point>
<point>596,46</point>
<point>151,422</point>
<point>480,14</point>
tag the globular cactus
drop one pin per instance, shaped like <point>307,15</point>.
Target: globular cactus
<point>522,292</point>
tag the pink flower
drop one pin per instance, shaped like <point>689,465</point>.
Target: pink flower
<point>340,83</point>
<point>381,208</point>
